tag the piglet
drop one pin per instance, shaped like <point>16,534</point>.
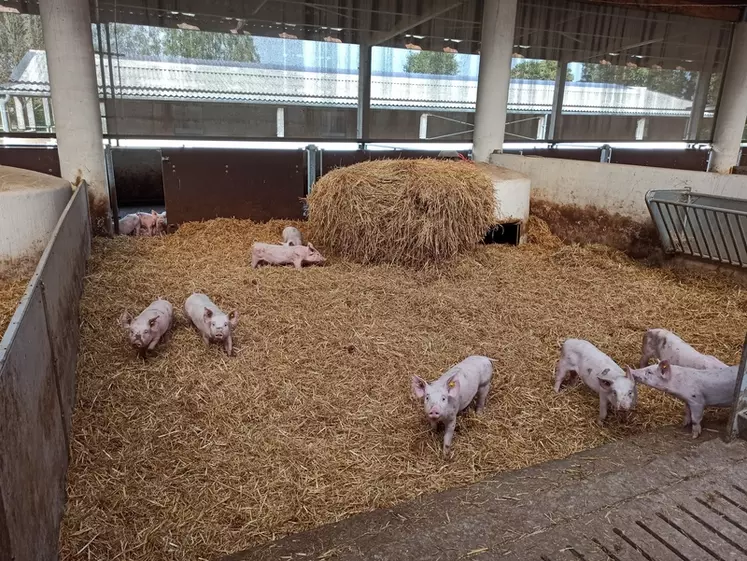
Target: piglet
<point>147,329</point>
<point>148,223</point>
<point>698,388</point>
<point>129,225</point>
<point>292,236</point>
<point>161,223</point>
<point>599,372</point>
<point>210,321</point>
<point>661,344</point>
<point>296,255</point>
<point>453,393</point>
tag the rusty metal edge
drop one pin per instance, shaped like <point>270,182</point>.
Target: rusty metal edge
<point>6,342</point>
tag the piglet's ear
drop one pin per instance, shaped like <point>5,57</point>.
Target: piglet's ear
<point>152,322</point>
<point>628,372</point>
<point>418,386</point>
<point>233,318</point>
<point>452,385</point>
<point>665,369</point>
<point>604,381</point>
<point>125,319</point>
<point>208,313</point>
<point>312,249</point>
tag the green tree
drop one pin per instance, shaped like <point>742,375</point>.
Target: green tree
<point>538,70</point>
<point>18,34</point>
<point>679,83</point>
<point>431,62</point>
<point>205,45</point>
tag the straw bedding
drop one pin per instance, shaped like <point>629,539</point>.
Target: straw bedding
<point>192,454</point>
<point>408,212</point>
<point>14,276</point>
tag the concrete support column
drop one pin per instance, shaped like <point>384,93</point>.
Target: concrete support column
<point>47,114</point>
<point>496,46</point>
<point>66,25</point>
<point>423,132</point>
<point>280,122</point>
<point>641,128</point>
<point>30,113</point>
<point>20,118</point>
<point>732,110</point>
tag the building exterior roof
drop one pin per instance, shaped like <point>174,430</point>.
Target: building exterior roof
<point>144,78</point>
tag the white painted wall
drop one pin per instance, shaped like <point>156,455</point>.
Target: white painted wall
<point>512,192</point>
<point>614,187</point>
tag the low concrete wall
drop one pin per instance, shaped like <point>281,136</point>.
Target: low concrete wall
<point>614,187</point>
<point>38,356</point>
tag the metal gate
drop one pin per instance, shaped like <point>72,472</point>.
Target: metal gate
<point>709,227</point>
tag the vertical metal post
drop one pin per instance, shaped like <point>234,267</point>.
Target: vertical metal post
<point>312,170</point>
<point>740,393</point>
<point>109,162</point>
<point>364,93</point>
<point>556,117</point>
<point>699,105</point>
<point>111,81</point>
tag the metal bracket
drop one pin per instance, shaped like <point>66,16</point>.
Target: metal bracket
<point>606,154</point>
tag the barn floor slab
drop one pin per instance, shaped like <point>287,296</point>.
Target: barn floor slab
<point>656,497</point>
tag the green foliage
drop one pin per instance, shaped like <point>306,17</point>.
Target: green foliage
<point>679,83</point>
<point>538,70</point>
<point>18,34</point>
<point>204,45</point>
<point>431,62</point>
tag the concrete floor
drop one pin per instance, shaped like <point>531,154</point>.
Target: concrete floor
<point>656,497</point>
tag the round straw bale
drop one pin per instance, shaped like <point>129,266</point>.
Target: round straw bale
<point>409,212</point>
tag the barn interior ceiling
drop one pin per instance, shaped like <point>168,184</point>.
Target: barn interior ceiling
<point>660,33</point>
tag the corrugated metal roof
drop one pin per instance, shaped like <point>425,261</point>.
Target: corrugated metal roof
<point>144,79</point>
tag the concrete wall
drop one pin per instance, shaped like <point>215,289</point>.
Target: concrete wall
<point>38,355</point>
<point>615,187</point>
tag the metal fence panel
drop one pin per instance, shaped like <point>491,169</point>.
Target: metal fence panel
<point>32,439</point>
<point>709,227</point>
<point>37,381</point>
<point>62,284</point>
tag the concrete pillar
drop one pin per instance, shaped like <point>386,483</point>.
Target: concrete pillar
<point>496,46</point>
<point>732,110</point>
<point>641,128</point>
<point>542,127</point>
<point>66,25</point>
<point>30,113</point>
<point>20,118</point>
<point>47,114</point>
<point>423,132</point>
<point>280,122</point>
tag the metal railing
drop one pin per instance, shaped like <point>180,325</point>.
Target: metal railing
<point>709,227</point>
<point>38,356</point>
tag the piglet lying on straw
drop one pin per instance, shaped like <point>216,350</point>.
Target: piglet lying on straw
<point>454,392</point>
<point>146,330</point>
<point>296,255</point>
